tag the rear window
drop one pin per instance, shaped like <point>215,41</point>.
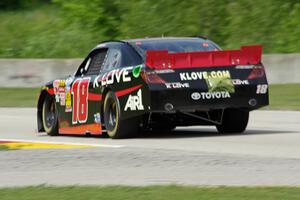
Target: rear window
<point>176,45</point>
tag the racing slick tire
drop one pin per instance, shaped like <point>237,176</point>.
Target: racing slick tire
<point>50,116</point>
<point>116,127</point>
<point>234,121</point>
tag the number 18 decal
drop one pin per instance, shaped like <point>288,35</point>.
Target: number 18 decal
<point>80,89</point>
<point>262,89</point>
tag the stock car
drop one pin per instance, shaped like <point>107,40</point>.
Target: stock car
<point>124,87</point>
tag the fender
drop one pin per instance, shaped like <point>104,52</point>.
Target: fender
<point>42,96</point>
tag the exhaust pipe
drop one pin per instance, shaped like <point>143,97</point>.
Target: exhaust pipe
<point>169,107</point>
<point>252,102</point>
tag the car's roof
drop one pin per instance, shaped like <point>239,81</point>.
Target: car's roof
<point>154,39</point>
<point>162,38</point>
<point>132,42</point>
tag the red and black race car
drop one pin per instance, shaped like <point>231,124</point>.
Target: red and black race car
<point>123,87</point>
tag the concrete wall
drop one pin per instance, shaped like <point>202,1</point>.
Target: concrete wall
<point>281,68</point>
<point>34,72</point>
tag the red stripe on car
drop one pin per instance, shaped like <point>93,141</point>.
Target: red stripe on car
<point>98,97</point>
<point>50,91</point>
<point>95,97</point>
<point>128,90</point>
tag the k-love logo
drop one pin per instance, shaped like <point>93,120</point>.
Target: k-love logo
<point>117,75</point>
<point>189,76</point>
<point>134,102</point>
<point>176,85</point>
<point>240,82</point>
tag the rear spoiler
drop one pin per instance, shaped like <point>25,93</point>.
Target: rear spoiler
<point>162,59</point>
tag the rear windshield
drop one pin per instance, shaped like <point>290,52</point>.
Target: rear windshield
<point>176,45</point>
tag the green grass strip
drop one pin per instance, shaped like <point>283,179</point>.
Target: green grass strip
<point>3,147</point>
<point>19,97</point>
<point>149,193</point>
<point>284,97</point>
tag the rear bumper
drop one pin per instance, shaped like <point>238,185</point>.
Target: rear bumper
<point>181,100</point>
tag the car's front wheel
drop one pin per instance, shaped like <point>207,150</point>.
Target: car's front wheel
<point>234,121</point>
<point>49,116</point>
<point>116,127</point>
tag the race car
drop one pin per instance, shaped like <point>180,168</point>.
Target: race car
<point>125,87</point>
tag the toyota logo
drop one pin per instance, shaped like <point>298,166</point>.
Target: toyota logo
<point>196,95</point>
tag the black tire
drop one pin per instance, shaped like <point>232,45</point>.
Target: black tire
<point>234,121</point>
<point>50,116</point>
<point>115,126</point>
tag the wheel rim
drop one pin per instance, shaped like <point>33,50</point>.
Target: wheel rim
<point>112,116</point>
<point>50,114</point>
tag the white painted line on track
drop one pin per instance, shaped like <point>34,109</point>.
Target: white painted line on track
<point>64,143</point>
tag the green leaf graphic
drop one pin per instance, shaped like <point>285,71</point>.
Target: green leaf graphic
<point>136,71</point>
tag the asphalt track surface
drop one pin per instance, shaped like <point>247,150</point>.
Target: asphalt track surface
<point>268,153</point>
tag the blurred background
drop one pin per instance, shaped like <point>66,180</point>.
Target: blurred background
<point>42,40</point>
<point>68,29</point>
<point>45,39</point>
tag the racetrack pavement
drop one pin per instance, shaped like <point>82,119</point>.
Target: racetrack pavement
<point>268,153</point>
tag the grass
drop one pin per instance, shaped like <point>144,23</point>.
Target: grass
<point>282,97</point>
<point>19,97</point>
<point>149,193</point>
<point>3,147</point>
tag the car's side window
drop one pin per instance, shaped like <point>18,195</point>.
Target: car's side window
<point>113,59</point>
<point>93,63</point>
<point>129,56</point>
<point>96,62</point>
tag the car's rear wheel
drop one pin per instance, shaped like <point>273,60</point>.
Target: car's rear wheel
<point>234,121</point>
<point>49,116</point>
<point>116,127</point>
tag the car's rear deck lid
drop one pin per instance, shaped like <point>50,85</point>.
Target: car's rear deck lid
<point>162,59</point>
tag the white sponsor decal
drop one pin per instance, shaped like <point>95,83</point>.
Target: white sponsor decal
<point>115,75</point>
<point>57,98</point>
<point>164,71</point>
<point>55,87</point>
<point>134,102</point>
<point>210,95</point>
<point>244,66</point>
<point>177,85</point>
<point>240,82</point>
<point>62,96</point>
<point>97,118</point>
<point>59,87</point>
<point>69,81</point>
<point>186,76</point>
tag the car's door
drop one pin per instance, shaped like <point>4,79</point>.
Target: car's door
<point>94,93</point>
<point>117,76</point>
<point>81,99</point>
